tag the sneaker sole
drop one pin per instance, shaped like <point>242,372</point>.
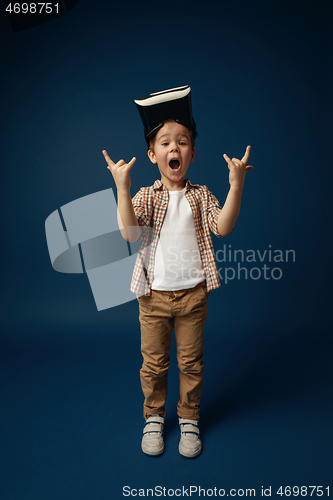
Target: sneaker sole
<point>186,455</point>
<point>153,453</point>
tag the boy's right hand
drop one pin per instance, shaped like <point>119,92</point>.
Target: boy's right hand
<point>120,171</point>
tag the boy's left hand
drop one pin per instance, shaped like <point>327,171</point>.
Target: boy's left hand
<point>238,169</point>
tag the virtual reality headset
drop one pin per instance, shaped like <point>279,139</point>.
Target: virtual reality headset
<point>173,104</point>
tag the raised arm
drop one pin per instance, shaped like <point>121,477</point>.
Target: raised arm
<point>231,208</point>
<point>127,220</point>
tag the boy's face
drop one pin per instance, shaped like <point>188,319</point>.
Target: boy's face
<point>172,153</point>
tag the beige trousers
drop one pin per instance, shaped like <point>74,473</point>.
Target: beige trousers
<point>186,310</point>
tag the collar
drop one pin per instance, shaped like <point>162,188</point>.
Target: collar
<point>158,186</point>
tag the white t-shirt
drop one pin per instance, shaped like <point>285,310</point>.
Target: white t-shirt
<point>177,259</point>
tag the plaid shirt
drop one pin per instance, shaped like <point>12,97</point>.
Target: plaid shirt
<point>150,205</point>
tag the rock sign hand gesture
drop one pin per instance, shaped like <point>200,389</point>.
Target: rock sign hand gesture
<point>120,171</point>
<point>238,168</point>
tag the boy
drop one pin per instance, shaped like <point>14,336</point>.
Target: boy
<point>174,274</point>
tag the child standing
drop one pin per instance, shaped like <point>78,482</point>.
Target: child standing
<point>173,275</point>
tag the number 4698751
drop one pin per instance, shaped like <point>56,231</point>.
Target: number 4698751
<point>32,8</point>
<point>304,491</point>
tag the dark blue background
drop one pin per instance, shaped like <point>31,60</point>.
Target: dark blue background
<point>71,413</point>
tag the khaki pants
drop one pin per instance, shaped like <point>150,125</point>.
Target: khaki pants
<point>187,311</point>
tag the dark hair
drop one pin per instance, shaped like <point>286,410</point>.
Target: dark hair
<point>193,134</point>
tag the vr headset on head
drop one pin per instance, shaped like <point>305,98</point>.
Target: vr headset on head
<point>155,108</point>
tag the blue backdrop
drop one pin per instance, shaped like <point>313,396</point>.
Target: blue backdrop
<point>71,413</point>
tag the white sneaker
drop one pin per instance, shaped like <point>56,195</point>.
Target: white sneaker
<point>190,445</point>
<point>152,441</point>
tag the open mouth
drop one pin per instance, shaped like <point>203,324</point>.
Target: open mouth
<point>174,164</point>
